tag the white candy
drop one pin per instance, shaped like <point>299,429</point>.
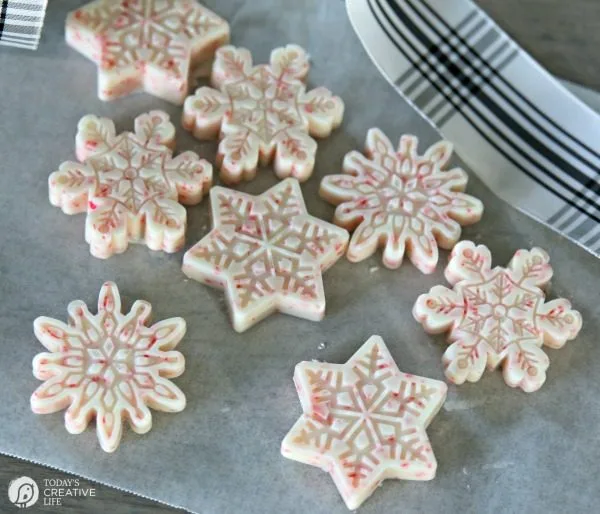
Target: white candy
<point>267,253</point>
<point>403,201</point>
<point>108,366</point>
<point>130,185</point>
<point>150,45</point>
<point>262,113</point>
<point>364,421</point>
<point>497,316</point>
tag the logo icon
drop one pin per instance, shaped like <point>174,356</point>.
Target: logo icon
<point>23,492</point>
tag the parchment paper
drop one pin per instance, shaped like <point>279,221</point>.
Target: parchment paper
<point>498,449</point>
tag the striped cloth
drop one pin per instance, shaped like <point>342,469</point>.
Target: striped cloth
<point>530,140</point>
<point>21,22</point>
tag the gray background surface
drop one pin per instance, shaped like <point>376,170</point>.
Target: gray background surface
<point>498,449</point>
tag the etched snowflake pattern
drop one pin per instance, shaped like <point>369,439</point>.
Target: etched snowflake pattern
<point>401,200</point>
<point>267,253</point>
<point>497,316</point>
<point>364,421</point>
<point>262,112</point>
<point>154,45</point>
<point>108,366</point>
<point>130,185</point>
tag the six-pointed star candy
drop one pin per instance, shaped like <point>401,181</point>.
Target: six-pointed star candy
<point>267,253</point>
<point>401,200</point>
<point>497,316</point>
<point>108,366</point>
<point>130,185</point>
<point>262,112</point>
<point>364,421</point>
<point>152,45</point>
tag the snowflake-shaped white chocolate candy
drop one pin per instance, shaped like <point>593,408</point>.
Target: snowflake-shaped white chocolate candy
<point>109,366</point>
<point>262,112</point>
<point>400,200</point>
<point>497,316</point>
<point>267,253</point>
<point>364,421</point>
<point>150,45</point>
<point>130,185</point>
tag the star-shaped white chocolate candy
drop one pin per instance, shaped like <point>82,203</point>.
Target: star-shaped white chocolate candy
<point>150,45</point>
<point>267,253</point>
<point>263,113</point>
<point>364,421</point>
<point>497,316</point>
<point>109,366</point>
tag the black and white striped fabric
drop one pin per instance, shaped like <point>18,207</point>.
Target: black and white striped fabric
<point>532,142</point>
<point>21,22</point>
